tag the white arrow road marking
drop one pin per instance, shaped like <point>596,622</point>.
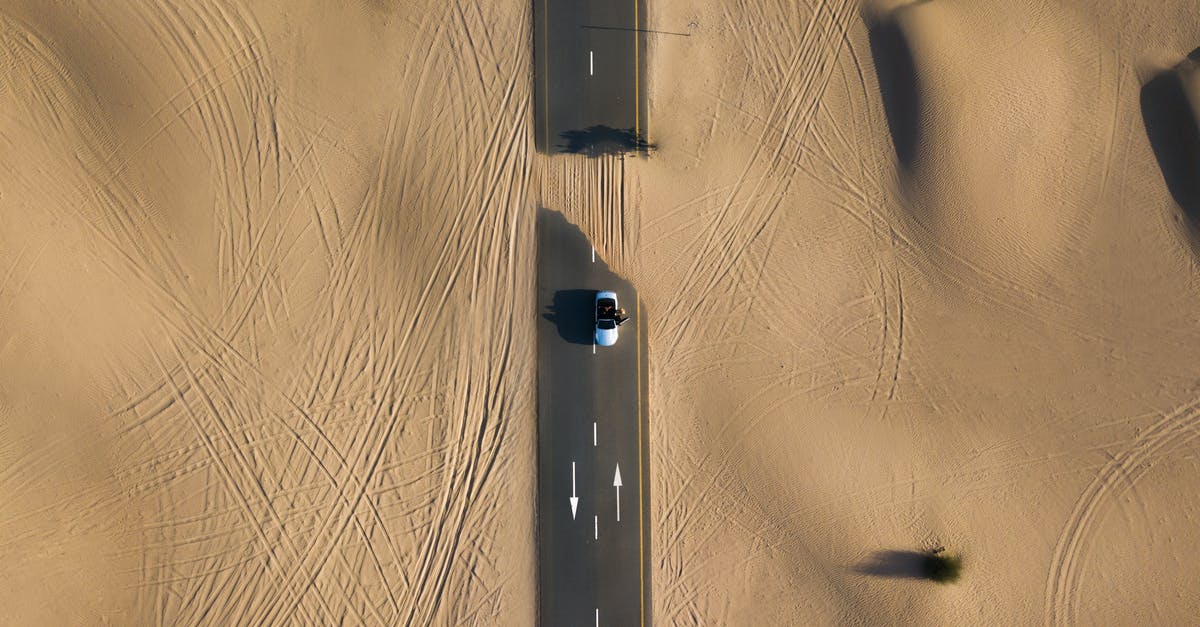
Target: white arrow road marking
<point>574,499</point>
<point>617,485</point>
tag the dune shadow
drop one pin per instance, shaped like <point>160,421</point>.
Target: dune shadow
<point>896,565</point>
<point>1174,133</point>
<point>601,140</point>
<point>571,313</point>
<point>896,72</point>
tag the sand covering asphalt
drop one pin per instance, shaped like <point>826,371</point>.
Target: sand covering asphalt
<point>917,275</point>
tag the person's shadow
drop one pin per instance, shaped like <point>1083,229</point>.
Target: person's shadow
<point>571,312</point>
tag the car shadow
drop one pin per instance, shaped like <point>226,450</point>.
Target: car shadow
<point>571,313</point>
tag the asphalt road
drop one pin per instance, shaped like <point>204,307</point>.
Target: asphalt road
<point>589,67</point>
<point>593,568</point>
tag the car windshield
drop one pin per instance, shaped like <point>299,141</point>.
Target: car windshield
<point>606,324</point>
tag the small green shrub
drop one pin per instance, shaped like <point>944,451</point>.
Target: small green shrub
<point>943,567</point>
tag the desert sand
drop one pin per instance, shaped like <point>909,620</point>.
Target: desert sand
<point>267,350</point>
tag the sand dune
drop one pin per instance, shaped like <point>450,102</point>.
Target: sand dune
<point>259,366</point>
<point>936,229</point>
<point>987,133</point>
<point>266,355</point>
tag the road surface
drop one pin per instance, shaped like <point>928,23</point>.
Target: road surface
<point>589,67</point>
<point>593,567</point>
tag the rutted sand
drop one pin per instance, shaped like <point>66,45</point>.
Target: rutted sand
<point>261,359</point>
<point>979,338</point>
<point>918,274</point>
<point>1010,118</point>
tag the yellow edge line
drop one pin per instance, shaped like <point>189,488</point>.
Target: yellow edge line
<point>641,482</point>
<point>637,100</point>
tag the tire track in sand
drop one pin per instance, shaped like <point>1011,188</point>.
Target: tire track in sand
<point>266,480</point>
<point>743,215</point>
<point>740,219</point>
<point>1174,430</point>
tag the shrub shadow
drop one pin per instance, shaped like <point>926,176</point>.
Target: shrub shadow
<point>895,565</point>
<point>571,313</point>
